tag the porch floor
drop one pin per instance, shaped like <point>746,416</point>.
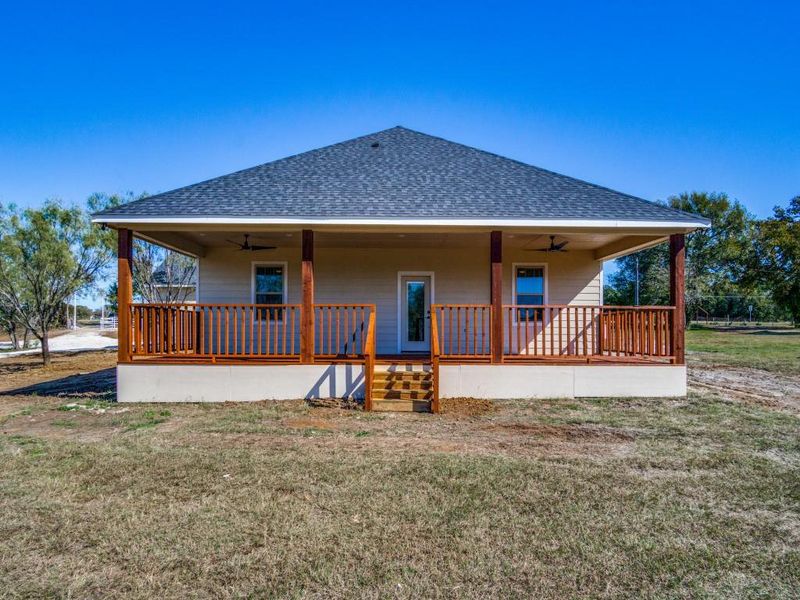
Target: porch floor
<point>400,358</point>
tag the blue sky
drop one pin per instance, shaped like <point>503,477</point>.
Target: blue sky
<point>651,98</point>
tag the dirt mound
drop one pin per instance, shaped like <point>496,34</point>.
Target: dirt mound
<point>466,407</point>
<point>340,403</point>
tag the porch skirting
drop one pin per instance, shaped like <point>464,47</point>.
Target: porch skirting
<point>249,383</point>
<point>237,383</point>
<point>495,382</point>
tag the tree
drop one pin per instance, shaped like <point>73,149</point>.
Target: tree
<point>715,262</point>
<point>46,256</point>
<point>775,257</point>
<point>112,298</point>
<point>10,325</point>
<point>159,274</point>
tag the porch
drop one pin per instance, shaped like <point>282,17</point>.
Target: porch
<point>368,350</point>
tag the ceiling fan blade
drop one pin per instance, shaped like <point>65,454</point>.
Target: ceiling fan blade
<point>234,243</point>
<point>255,248</point>
<point>561,245</point>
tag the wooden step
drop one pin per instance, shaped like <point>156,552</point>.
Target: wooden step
<point>402,368</point>
<point>398,405</point>
<point>402,385</point>
<point>416,376</point>
<point>402,394</point>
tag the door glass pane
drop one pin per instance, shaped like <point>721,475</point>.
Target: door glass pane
<point>415,299</point>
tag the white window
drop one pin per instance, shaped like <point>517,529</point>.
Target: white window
<point>530,289</point>
<point>269,287</point>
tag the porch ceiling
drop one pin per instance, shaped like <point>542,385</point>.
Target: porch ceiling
<point>604,245</point>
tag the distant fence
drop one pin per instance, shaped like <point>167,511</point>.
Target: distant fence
<point>109,323</point>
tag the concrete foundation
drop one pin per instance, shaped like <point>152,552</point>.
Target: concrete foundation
<point>497,382</point>
<point>237,383</point>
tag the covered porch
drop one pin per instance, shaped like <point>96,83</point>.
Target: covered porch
<point>362,298</point>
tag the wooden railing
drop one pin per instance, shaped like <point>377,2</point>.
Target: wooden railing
<point>162,329</point>
<point>436,352</point>
<point>215,330</point>
<point>463,332</point>
<point>369,361</point>
<point>247,330</point>
<point>631,331</point>
<point>340,330</point>
<point>551,330</point>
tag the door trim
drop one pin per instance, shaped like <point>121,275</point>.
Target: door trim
<point>400,275</point>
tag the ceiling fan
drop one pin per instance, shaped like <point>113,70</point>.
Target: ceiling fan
<point>248,246</point>
<point>553,247</point>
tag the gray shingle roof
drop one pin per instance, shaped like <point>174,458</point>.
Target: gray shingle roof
<point>398,173</point>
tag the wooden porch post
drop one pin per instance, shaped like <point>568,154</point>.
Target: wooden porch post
<point>496,252</point>
<point>124,294</point>
<point>307,313</point>
<point>677,291</point>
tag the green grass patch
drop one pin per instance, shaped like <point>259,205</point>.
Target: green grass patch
<point>147,419</point>
<point>772,350</point>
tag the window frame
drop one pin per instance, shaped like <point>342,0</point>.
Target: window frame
<point>545,285</point>
<point>269,263</point>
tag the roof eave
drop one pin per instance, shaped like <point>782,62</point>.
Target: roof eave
<point>136,222</point>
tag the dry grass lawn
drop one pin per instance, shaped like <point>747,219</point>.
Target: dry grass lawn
<point>549,499</point>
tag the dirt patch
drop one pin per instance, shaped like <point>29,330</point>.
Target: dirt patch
<point>752,386</point>
<point>467,407</point>
<point>79,425</point>
<point>310,423</point>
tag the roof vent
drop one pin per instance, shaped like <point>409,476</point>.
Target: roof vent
<point>376,145</point>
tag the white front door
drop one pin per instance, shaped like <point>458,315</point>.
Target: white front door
<point>415,307</point>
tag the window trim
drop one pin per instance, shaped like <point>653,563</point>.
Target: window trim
<point>545,289</point>
<point>269,263</point>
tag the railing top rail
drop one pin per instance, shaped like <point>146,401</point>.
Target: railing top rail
<point>595,306</point>
<point>461,305</point>
<point>208,305</point>
<point>332,305</point>
<point>649,307</point>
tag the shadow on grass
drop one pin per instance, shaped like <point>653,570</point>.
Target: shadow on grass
<point>781,333</point>
<point>103,382</point>
<point>750,330</point>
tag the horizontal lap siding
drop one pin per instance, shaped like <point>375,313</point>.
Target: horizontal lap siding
<point>572,278</point>
<point>369,275</point>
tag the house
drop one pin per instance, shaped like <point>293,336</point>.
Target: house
<point>174,281</point>
<point>402,268</point>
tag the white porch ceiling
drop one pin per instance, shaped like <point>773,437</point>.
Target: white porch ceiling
<point>605,245</point>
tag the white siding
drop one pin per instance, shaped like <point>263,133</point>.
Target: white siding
<point>369,275</point>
